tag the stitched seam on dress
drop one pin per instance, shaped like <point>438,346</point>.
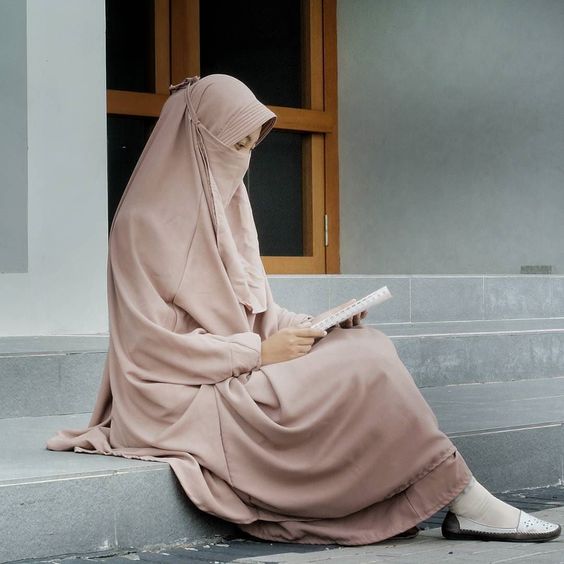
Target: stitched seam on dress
<point>188,250</point>
<point>423,473</point>
<point>173,307</point>
<point>452,492</point>
<point>230,362</point>
<point>248,348</point>
<point>244,345</point>
<point>221,437</point>
<point>412,506</point>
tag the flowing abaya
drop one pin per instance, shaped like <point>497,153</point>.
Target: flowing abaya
<point>336,446</point>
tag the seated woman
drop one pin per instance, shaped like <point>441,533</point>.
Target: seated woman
<point>292,433</point>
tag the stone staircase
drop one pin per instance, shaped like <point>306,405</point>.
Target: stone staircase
<point>486,351</point>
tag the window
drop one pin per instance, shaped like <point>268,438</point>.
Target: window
<point>291,67</point>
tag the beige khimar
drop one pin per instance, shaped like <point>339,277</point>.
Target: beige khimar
<point>337,446</point>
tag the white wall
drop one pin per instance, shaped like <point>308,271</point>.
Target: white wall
<point>13,137</point>
<point>451,135</point>
<point>64,290</point>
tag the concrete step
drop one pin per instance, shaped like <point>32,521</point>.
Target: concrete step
<point>50,375</point>
<point>60,374</point>
<point>445,353</point>
<point>511,434</point>
<point>56,503</point>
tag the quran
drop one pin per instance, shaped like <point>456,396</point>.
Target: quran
<point>377,297</point>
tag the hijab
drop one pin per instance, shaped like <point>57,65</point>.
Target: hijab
<point>190,155</point>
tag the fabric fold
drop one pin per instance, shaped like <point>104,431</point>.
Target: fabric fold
<point>246,352</point>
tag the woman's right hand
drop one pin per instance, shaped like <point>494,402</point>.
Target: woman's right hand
<point>289,343</point>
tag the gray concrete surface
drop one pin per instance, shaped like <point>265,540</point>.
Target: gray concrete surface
<point>428,548</point>
<point>59,502</point>
<point>497,405</point>
<point>437,360</point>
<point>431,548</point>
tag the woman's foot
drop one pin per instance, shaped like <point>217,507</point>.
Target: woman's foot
<point>478,515</point>
<point>528,529</point>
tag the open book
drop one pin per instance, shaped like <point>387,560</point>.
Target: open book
<point>377,297</point>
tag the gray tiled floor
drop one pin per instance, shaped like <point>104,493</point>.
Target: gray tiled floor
<point>428,548</point>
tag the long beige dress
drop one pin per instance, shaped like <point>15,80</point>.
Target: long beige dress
<point>336,446</point>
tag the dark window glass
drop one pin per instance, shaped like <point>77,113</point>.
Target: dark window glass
<point>130,45</point>
<point>256,41</point>
<point>127,137</point>
<point>274,182</point>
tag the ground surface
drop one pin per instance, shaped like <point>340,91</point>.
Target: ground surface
<point>428,548</point>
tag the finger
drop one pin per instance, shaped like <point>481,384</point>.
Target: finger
<point>363,314</point>
<point>306,341</point>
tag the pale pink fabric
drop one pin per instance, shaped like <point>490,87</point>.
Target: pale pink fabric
<point>335,446</point>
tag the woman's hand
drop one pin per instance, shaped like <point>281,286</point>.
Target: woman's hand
<point>289,343</point>
<point>353,320</point>
<point>350,322</point>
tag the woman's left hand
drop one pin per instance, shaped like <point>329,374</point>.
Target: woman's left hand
<point>353,320</point>
<point>350,322</point>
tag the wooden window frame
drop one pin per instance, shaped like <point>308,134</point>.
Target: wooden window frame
<point>177,55</point>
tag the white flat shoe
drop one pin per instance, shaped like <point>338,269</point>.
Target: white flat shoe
<point>529,529</point>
